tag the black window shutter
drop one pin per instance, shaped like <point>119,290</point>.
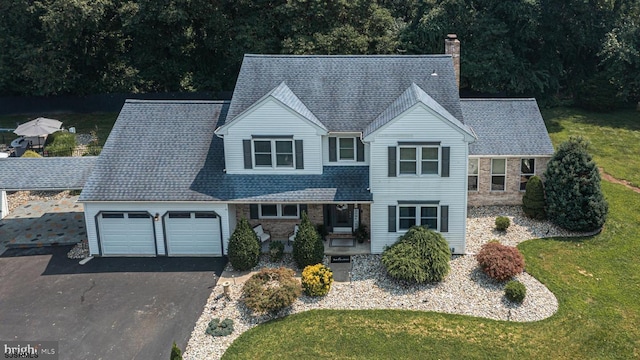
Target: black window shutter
<point>303,209</point>
<point>333,156</point>
<point>392,218</point>
<point>360,146</point>
<point>299,155</point>
<point>444,218</point>
<point>445,161</point>
<point>253,211</point>
<point>392,161</point>
<point>246,147</point>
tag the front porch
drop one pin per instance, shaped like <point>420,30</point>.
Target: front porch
<point>339,221</point>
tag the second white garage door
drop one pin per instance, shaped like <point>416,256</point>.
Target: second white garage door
<point>193,233</point>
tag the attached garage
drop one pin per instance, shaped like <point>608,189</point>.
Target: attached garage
<point>193,233</point>
<point>126,233</point>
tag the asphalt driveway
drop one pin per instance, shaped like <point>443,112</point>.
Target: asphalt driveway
<point>110,308</point>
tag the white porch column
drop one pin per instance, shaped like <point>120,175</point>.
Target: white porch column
<point>4,206</point>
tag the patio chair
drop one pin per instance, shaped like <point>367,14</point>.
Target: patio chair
<point>262,234</point>
<point>292,236</point>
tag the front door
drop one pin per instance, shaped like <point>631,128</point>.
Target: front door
<point>341,218</point>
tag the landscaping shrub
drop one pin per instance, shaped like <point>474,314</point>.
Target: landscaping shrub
<point>271,290</point>
<point>420,255</point>
<point>30,154</point>
<point>533,202</point>
<point>308,248</point>
<point>572,187</point>
<point>502,223</point>
<point>515,291</point>
<point>276,250</point>
<point>176,353</point>
<point>499,261</point>
<point>61,144</point>
<point>220,328</point>
<point>361,234</point>
<point>322,230</point>
<point>244,247</point>
<point>317,280</point>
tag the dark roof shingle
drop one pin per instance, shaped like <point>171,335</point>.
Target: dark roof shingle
<point>506,127</point>
<point>50,173</point>
<point>346,92</point>
<point>142,161</point>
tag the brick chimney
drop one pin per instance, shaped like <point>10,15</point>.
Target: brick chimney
<point>452,47</point>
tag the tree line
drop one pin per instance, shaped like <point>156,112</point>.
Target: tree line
<point>572,49</point>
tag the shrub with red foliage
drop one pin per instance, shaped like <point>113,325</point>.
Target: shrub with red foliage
<point>499,261</point>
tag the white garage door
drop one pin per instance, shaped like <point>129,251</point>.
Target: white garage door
<point>193,233</point>
<point>124,233</point>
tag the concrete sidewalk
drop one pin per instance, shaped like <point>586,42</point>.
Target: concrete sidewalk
<point>43,223</point>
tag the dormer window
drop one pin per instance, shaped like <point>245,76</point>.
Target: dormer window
<point>273,153</point>
<point>346,149</point>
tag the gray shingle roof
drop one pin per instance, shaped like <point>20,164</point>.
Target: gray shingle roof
<point>413,95</point>
<point>54,173</point>
<point>346,93</point>
<point>167,151</point>
<point>506,127</point>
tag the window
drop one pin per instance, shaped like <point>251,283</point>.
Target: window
<point>421,160</point>
<point>408,164</point>
<point>498,174</point>
<point>270,152</point>
<point>473,175</point>
<point>285,211</point>
<point>527,170</point>
<point>347,149</point>
<point>409,216</point>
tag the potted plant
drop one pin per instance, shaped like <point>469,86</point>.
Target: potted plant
<point>361,234</point>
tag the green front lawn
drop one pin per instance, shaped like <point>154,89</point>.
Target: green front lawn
<point>101,123</point>
<point>596,280</point>
<point>614,137</point>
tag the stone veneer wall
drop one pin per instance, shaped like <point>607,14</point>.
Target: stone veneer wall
<point>512,195</point>
<point>280,229</point>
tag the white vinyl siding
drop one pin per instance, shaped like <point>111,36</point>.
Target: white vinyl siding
<point>418,125</point>
<point>91,209</point>
<point>271,118</point>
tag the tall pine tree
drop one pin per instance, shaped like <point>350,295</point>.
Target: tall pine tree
<point>574,197</point>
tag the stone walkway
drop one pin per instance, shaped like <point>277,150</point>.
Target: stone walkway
<point>43,223</point>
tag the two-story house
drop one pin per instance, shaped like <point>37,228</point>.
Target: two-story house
<point>383,141</point>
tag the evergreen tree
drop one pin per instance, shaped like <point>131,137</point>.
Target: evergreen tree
<point>176,353</point>
<point>244,247</point>
<point>533,202</point>
<point>308,248</point>
<point>574,198</point>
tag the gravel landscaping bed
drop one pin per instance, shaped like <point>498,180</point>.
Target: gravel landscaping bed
<point>466,290</point>
<point>19,198</point>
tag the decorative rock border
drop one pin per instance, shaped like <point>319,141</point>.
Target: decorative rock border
<point>466,290</point>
